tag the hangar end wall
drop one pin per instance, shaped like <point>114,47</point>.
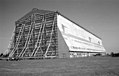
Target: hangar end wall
<point>63,50</point>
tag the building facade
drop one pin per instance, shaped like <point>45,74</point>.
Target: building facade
<point>49,34</point>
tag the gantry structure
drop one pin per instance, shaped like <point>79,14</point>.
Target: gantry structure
<point>35,35</point>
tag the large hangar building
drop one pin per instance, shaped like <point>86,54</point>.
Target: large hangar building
<point>49,34</point>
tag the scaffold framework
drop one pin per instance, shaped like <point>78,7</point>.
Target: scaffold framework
<point>35,35</point>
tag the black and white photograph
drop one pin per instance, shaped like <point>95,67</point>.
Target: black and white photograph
<point>59,37</point>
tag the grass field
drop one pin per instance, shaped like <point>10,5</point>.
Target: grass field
<point>91,66</point>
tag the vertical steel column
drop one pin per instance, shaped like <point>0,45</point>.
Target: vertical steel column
<point>50,40</point>
<point>17,43</point>
<point>28,37</point>
<point>40,39</point>
<point>36,45</point>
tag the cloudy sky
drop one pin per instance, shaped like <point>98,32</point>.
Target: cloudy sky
<point>98,16</point>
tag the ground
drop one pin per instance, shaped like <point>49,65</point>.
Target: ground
<point>89,66</point>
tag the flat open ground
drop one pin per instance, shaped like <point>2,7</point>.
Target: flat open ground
<point>91,66</point>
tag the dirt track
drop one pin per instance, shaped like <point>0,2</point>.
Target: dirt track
<point>92,66</point>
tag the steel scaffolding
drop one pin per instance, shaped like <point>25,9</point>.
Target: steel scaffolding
<point>35,35</point>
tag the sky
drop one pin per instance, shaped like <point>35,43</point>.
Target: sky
<point>101,17</point>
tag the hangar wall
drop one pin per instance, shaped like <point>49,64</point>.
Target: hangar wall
<point>63,50</point>
<point>77,38</point>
